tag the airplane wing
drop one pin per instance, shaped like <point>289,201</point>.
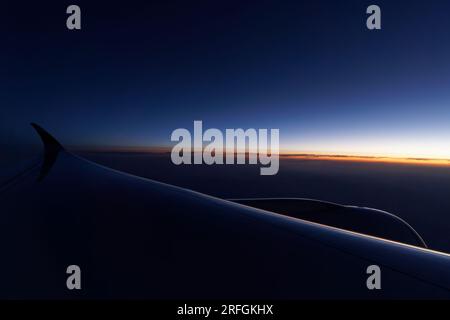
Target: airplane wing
<point>137,238</point>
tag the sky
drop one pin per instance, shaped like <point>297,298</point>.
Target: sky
<point>137,70</point>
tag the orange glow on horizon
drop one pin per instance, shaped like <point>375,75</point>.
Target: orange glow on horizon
<point>381,159</point>
<point>321,156</point>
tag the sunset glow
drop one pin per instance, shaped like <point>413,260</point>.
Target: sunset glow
<point>415,161</point>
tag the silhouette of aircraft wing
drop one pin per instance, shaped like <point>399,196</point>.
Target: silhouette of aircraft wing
<point>137,238</point>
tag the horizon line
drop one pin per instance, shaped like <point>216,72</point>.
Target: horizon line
<point>331,156</point>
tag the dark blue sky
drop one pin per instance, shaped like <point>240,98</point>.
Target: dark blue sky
<point>138,70</point>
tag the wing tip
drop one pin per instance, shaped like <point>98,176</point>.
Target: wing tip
<point>47,139</point>
<point>51,149</point>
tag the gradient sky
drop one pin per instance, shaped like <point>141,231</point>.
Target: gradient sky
<point>138,70</point>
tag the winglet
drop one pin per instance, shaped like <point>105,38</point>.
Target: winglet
<point>51,150</point>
